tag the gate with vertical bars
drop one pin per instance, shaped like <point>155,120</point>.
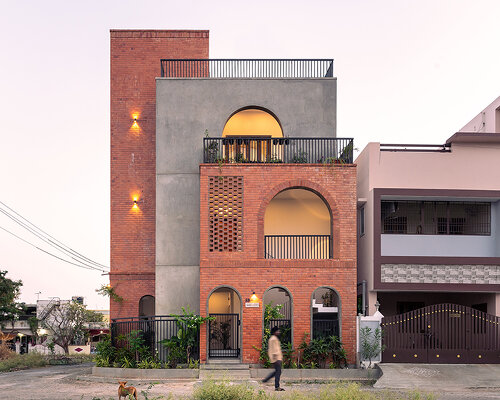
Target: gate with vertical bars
<point>442,333</point>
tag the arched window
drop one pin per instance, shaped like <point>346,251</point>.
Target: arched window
<point>147,306</point>
<point>252,121</point>
<point>248,137</point>
<point>325,310</point>
<point>297,225</point>
<point>278,312</point>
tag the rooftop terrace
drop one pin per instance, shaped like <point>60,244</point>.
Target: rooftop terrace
<point>247,68</point>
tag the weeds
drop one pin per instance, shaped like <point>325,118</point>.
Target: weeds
<point>23,361</point>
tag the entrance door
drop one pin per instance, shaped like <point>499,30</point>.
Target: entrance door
<point>224,306</point>
<point>442,333</point>
<point>224,335</point>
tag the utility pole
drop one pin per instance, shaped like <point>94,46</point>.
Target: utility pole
<point>38,295</point>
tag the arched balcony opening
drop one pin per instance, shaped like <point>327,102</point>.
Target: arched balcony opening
<point>251,135</point>
<point>297,225</point>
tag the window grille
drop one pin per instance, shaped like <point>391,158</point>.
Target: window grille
<point>225,213</point>
<point>411,217</point>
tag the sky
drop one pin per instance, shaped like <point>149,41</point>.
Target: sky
<point>408,72</point>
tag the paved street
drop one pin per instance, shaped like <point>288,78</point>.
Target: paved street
<point>75,382</point>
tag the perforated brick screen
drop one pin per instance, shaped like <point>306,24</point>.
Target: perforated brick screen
<point>225,213</point>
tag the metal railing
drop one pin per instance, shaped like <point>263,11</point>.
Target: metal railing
<point>247,68</point>
<point>285,326</point>
<point>153,331</point>
<point>293,247</point>
<point>325,328</point>
<point>247,149</point>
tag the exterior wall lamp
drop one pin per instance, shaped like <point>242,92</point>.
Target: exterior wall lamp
<point>254,298</point>
<point>136,202</point>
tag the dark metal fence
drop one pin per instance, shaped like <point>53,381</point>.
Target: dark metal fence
<point>285,326</point>
<point>246,68</point>
<point>295,247</point>
<point>251,149</point>
<point>325,328</point>
<point>224,335</point>
<point>442,333</point>
<point>152,329</point>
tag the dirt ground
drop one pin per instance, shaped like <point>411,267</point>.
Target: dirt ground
<point>75,382</point>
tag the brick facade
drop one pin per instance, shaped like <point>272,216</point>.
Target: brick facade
<point>247,270</point>
<point>135,63</point>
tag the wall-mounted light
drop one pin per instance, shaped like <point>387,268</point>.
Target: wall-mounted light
<point>254,298</point>
<point>135,202</point>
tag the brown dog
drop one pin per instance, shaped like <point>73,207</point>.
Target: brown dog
<point>125,391</point>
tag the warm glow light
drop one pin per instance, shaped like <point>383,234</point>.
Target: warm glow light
<point>254,298</point>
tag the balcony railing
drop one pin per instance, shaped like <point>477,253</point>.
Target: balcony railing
<point>245,68</point>
<point>294,247</point>
<point>246,149</point>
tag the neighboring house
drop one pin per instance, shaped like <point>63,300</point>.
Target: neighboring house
<point>229,191</point>
<point>21,328</point>
<point>429,233</point>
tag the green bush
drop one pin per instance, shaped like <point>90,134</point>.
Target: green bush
<point>23,361</point>
<point>223,390</point>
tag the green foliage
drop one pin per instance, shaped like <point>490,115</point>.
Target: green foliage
<point>105,352</point>
<point>181,346</point>
<point>371,343</point>
<point>223,390</point>
<point>9,292</point>
<point>23,361</point>
<point>317,352</point>
<point>300,157</point>
<point>107,290</point>
<point>270,312</point>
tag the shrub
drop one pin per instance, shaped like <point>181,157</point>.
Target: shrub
<point>23,361</point>
<point>371,343</point>
<point>223,390</point>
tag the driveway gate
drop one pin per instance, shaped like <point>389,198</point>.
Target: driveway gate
<point>442,333</point>
<point>223,333</point>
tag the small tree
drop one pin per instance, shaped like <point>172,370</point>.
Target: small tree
<point>9,292</point>
<point>371,343</point>
<point>68,321</point>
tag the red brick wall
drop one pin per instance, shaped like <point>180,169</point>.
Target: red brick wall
<point>249,271</point>
<point>135,63</point>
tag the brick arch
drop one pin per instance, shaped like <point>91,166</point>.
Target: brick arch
<point>300,184</point>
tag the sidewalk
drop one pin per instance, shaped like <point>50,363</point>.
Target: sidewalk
<point>441,377</point>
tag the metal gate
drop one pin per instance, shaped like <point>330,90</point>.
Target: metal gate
<point>224,340</point>
<point>442,333</point>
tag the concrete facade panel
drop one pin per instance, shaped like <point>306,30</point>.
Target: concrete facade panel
<point>304,107</point>
<point>177,287</point>
<point>178,219</point>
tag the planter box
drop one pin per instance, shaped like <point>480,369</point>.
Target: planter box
<point>135,373</point>
<point>320,374</point>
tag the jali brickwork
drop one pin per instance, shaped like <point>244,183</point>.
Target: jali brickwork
<point>248,270</point>
<point>135,63</point>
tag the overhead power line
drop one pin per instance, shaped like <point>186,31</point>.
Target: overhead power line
<point>82,260</point>
<point>47,252</point>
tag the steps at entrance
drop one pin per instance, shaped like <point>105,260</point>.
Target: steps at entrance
<point>229,374</point>
<point>232,370</point>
